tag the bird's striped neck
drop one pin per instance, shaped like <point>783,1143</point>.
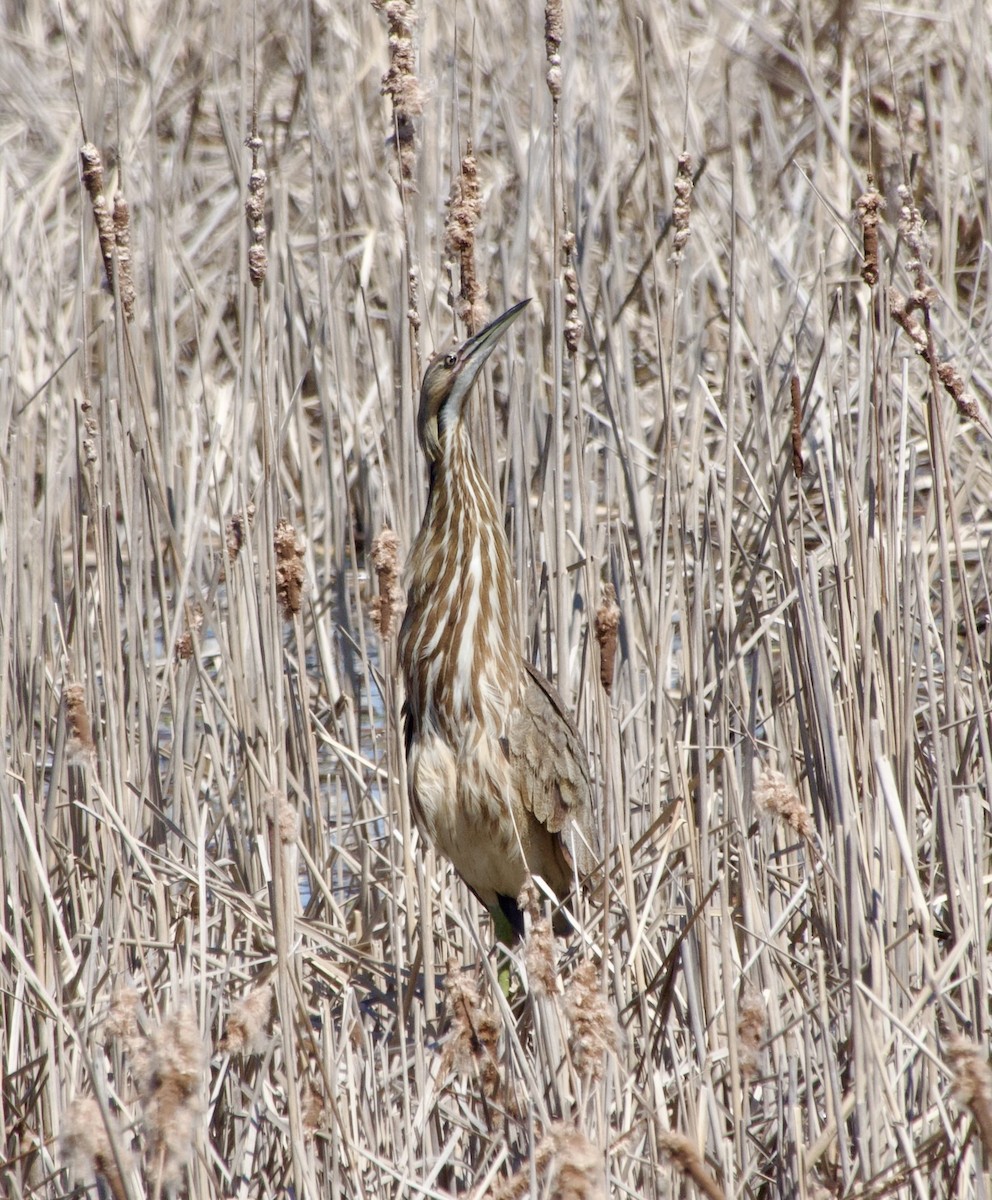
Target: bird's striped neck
<point>466,643</point>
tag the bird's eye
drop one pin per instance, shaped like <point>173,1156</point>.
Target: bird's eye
<point>450,359</point>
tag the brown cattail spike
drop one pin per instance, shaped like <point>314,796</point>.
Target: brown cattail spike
<point>290,575</point>
<point>464,210</point>
<point>80,731</point>
<point>86,1144</point>
<point>472,1046</point>
<point>797,428</point>
<point>246,1028</point>
<point>172,1092</point>
<point>868,207</point>
<point>122,241</point>
<point>607,625</point>
<point>553,23</point>
<point>752,1025</point>
<point>93,182</point>
<point>385,557</point>
<point>681,208</point>
<point>400,84</point>
<point>973,1084</point>
<point>258,258</point>
<point>594,1028</point>
<point>775,796</point>
<point>573,322</point>
<point>901,309</point>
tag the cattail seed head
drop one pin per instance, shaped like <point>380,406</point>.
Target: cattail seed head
<point>686,1159</point>
<point>797,428</point>
<point>400,84</point>
<point>246,1031</point>
<point>93,182</point>
<point>290,575</point>
<point>86,1144</point>
<point>869,205</point>
<point>553,26</point>
<point>566,1163</point>
<point>472,1045</point>
<point>81,742</point>
<point>122,242</point>
<point>594,1030</point>
<point>775,796</point>
<point>972,1081</point>
<point>464,209</point>
<point>752,1025</point>
<point>681,207</point>
<point>172,1092</point>
<point>385,557</point>
<point>606,627</point>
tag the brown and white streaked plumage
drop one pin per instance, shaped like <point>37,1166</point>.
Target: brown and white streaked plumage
<point>497,772</point>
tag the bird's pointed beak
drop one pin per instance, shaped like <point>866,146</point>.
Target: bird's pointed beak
<point>477,349</point>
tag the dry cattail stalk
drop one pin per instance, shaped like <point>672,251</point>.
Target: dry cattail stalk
<point>87,1146</point>
<point>122,241</point>
<point>684,1156</point>
<point>385,559</point>
<point>236,530</point>
<point>752,1024</point>
<point>797,428</point>
<point>973,1084</point>
<point>258,258</point>
<point>93,182</point>
<point>289,569</point>
<point>472,1046</point>
<point>681,208</point>
<point>400,84</point>
<point>553,24</point>
<point>606,626</point>
<point>573,326</point>
<point>539,952</point>
<point>775,796</point>
<point>464,210</point>
<point>594,1031</point>
<point>868,206</point>
<point>566,1164</point>
<point>80,732</point>
<point>171,1091</point>
<point>246,1031</point>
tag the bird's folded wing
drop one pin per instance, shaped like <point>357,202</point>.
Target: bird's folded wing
<point>547,751</point>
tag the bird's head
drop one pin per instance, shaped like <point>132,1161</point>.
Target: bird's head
<point>449,378</point>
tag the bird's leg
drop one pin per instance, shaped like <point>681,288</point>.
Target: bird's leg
<point>506,936</point>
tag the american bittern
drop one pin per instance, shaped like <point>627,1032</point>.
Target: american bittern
<point>498,775</point>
